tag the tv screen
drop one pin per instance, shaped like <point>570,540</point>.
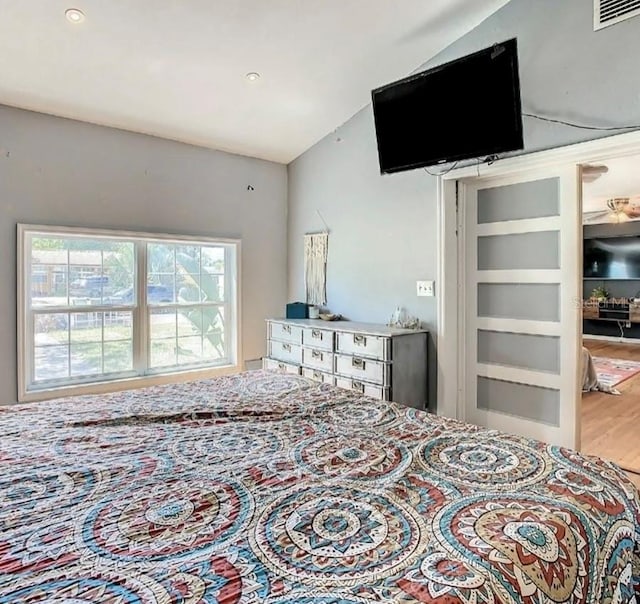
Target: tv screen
<point>464,109</point>
<point>612,258</point>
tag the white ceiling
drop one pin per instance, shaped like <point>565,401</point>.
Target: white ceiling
<point>176,69</point>
<point>622,180</point>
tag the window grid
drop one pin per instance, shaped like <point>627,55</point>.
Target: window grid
<point>75,313</point>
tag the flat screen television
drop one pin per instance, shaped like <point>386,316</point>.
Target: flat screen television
<point>464,109</point>
<point>612,258</point>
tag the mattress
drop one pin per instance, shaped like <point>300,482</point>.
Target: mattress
<point>263,487</point>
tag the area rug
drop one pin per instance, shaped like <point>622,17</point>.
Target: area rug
<point>615,371</point>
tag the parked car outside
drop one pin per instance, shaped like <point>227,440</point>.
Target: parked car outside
<point>91,287</point>
<point>156,294</point>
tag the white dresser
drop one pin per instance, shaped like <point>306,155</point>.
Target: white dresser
<point>383,362</point>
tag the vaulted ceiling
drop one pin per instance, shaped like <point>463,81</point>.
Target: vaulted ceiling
<point>176,68</point>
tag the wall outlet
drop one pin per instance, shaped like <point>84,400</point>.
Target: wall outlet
<point>426,288</point>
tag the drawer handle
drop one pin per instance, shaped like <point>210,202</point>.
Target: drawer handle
<point>316,354</point>
<point>359,386</point>
<point>317,375</point>
<point>357,363</point>
<point>282,366</point>
<point>286,347</point>
<point>316,333</point>
<point>360,340</point>
<point>286,328</point>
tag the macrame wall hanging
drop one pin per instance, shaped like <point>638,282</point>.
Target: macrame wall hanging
<point>316,247</point>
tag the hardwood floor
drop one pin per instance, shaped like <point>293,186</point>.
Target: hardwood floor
<point>611,424</point>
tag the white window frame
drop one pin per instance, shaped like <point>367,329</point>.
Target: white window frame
<point>141,375</point>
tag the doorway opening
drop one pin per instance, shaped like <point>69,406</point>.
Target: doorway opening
<point>459,374</point>
<point>610,410</point>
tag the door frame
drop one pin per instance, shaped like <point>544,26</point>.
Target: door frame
<point>450,256</point>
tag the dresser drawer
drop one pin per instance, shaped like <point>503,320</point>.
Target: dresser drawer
<point>321,339</point>
<point>363,369</point>
<point>283,351</point>
<point>362,345</point>
<point>273,365</point>
<point>371,390</point>
<point>317,359</point>
<point>285,332</point>
<point>317,375</point>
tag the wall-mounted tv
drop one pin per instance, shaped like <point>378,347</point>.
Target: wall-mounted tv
<point>464,109</point>
<point>612,258</point>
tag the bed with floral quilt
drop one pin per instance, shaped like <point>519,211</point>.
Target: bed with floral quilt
<point>262,487</point>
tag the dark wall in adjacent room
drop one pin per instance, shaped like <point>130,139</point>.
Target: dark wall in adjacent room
<point>618,288</point>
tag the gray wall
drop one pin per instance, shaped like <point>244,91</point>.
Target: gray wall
<point>383,228</point>
<point>57,171</point>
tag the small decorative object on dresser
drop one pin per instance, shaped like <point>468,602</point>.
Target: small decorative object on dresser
<point>387,363</point>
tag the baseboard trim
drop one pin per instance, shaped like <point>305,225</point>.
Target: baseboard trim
<point>616,339</point>
<point>252,364</point>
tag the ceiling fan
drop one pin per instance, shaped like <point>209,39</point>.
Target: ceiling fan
<point>618,209</point>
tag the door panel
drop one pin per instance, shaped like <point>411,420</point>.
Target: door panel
<point>518,201</point>
<point>524,351</point>
<point>520,251</point>
<point>541,405</point>
<point>522,320</point>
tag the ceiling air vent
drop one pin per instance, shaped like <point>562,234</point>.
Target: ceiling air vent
<point>610,12</point>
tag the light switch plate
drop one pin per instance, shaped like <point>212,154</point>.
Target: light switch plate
<point>426,288</point>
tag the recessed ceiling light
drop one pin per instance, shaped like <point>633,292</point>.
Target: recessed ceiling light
<point>74,15</point>
<point>252,76</point>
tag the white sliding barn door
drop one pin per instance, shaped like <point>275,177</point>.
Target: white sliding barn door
<point>522,318</point>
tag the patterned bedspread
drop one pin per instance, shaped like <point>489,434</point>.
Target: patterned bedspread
<point>271,488</point>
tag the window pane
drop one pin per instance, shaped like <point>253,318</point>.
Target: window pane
<point>188,259</point>
<point>189,350</point>
<point>51,362</point>
<point>189,322</point>
<point>51,338</point>
<point>161,273</point>
<point>86,359</point>
<point>213,269</point>
<point>118,326</point>
<point>213,333</point>
<point>51,328</point>
<point>118,356</point>
<point>163,353</point>
<point>119,272</point>
<point>188,274</point>
<point>162,335</point>
<point>213,259</point>
<point>86,327</point>
<point>49,263</point>
<point>189,290</point>
<point>86,280</point>
<point>212,287</point>
<point>162,323</point>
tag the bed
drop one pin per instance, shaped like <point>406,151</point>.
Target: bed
<point>262,487</point>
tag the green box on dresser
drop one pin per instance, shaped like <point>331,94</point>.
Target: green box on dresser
<point>387,363</point>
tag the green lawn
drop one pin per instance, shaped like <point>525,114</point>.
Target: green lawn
<point>82,351</point>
